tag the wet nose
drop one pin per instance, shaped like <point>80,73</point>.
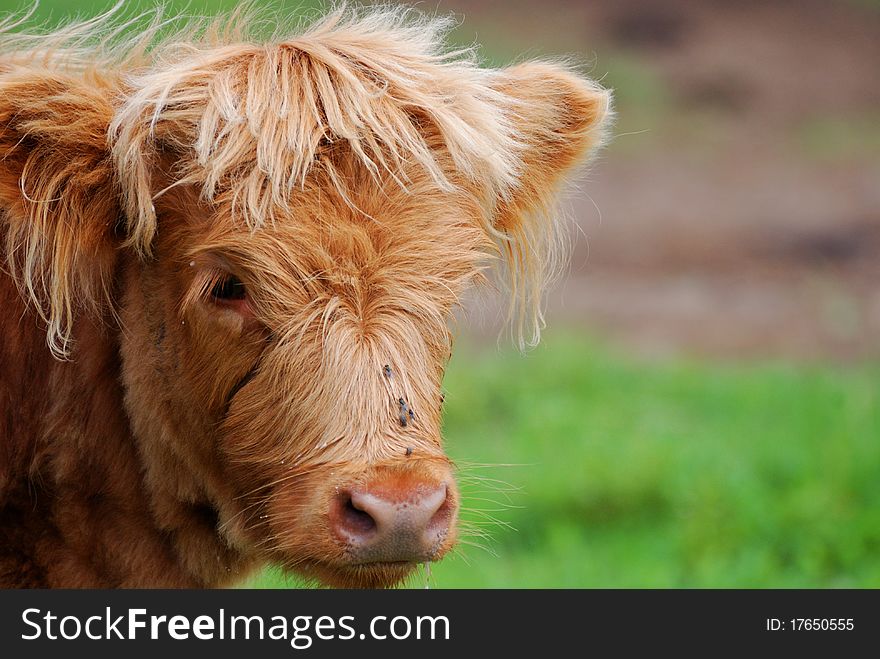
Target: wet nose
<point>393,525</point>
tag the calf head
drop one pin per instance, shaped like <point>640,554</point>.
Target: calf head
<point>300,220</point>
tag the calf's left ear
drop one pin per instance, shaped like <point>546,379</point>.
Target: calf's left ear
<point>559,120</point>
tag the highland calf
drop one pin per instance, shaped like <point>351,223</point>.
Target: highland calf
<point>244,256</point>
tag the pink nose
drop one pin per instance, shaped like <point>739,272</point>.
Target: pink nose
<point>388,525</point>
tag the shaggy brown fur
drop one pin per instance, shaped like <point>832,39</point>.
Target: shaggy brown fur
<point>343,186</point>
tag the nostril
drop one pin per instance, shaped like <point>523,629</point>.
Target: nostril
<point>440,519</point>
<point>353,519</point>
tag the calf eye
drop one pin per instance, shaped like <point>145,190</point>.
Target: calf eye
<point>229,287</point>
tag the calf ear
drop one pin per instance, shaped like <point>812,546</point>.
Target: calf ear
<point>58,204</point>
<point>559,119</point>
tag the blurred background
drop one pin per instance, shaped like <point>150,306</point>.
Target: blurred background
<point>704,410</point>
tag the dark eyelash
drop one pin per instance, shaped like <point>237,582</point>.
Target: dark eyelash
<point>228,287</point>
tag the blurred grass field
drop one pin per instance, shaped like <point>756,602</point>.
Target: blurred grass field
<point>660,474</point>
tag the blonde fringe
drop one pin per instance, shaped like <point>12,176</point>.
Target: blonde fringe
<point>256,117</point>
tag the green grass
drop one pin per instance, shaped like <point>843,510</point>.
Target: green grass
<point>662,474</point>
<point>840,138</point>
<point>50,13</point>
